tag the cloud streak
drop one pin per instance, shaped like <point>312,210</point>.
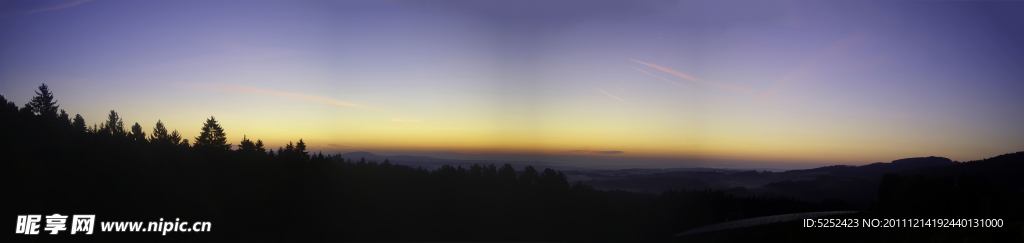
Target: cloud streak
<point>656,76</point>
<point>62,6</point>
<point>688,77</point>
<point>617,98</point>
<point>209,61</point>
<point>65,5</point>
<point>254,90</point>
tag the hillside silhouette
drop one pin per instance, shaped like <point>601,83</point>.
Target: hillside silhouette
<point>251,192</point>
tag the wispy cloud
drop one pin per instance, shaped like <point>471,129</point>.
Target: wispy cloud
<point>588,151</point>
<point>254,90</point>
<point>764,96</point>
<point>656,76</point>
<point>796,73</point>
<point>688,77</point>
<point>65,5</point>
<point>400,120</point>
<point>51,8</point>
<point>620,89</point>
<point>209,61</point>
<point>617,98</point>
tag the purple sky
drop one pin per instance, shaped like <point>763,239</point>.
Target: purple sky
<point>590,83</point>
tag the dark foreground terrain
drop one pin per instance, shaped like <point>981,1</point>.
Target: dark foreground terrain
<point>57,164</point>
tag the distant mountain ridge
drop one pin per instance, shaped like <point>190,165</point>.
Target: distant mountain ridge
<point>874,169</point>
<point>856,184</point>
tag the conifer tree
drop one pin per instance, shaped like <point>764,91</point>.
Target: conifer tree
<point>507,172</point>
<point>8,106</point>
<point>137,134</point>
<point>288,153</point>
<point>79,123</point>
<point>43,103</point>
<point>213,136</point>
<point>64,117</point>
<point>114,126</point>
<point>259,146</point>
<point>300,151</point>
<point>529,176</point>
<point>175,138</point>
<point>246,145</point>
<point>160,135</point>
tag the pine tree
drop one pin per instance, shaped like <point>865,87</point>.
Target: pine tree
<point>507,172</point>
<point>64,118</point>
<point>288,153</point>
<point>137,134</point>
<point>8,106</point>
<point>213,136</point>
<point>552,181</point>
<point>79,123</point>
<point>246,145</point>
<point>529,176</point>
<point>175,138</point>
<point>300,151</point>
<point>160,134</point>
<point>259,146</point>
<point>114,126</point>
<point>43,104</point>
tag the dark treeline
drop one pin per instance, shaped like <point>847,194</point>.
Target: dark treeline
<point>249,192</point>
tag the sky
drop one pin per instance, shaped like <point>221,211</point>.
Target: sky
<point>625,84</point>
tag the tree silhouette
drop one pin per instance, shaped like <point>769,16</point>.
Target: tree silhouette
<point>529,176</point>
<point>288,152</point>
<point>159,134</point>
<point>64,117</point>
<point>79,123</point>
<point>213,136</point>
<point>8,106</point>
<point>247,146</point>
<point>300,151</point>
<point>43,103</point>
<point>113,126</point>
<point>175,139</point>
<point>259,147</point>
<point>554,181</point>
<point>137,134</point>
<point>507,173</point>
